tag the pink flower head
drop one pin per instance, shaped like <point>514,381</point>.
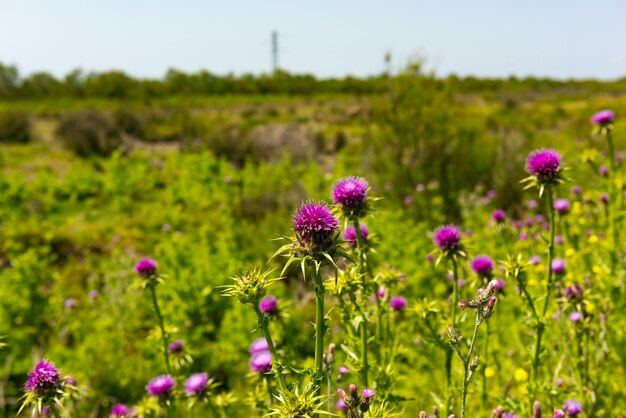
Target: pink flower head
<point>572,407</point>
<point>176,347</point>
<point>483,265</point>
<point>315,224</point>
<point>545,165</point>
<point>558,266</point>
<point>146,267</point>
<point>603,117</point>
<point>397,303</point>
<point>350,233</point>
<point>259,346</point>
<point>196,384</point>
<point>261,362</point>
<point>498,216</point>
<point>562,206</point>
<point>44,379</point>
<point>269,305</point>
<point>350,193</point>
<point>120,410</point>
<point>448,238</point>
<point>368,393</point>
<point>161,386</point>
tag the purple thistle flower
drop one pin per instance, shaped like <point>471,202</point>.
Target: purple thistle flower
<point>69,303</point>
<point>603,117</point>
<point>176,347</point>
<point>490,194</point>
<point>408,199</point>
<point>509,415</point>
<point>562,206</point>
<point>45,411</point>
<point>315,224</point>
<point>523,236</point>
<point>350,233</point>
<point>498,216</point>
<point>120,410</point>
<point>559,414</point>
<point>518,223</point>
<point>269,305</point>
<point>93,294</point>
<point>397,303</point>
<point>259,346</point>
<point>533,204</point>
<point>498,284</point>
<point>558,266</point>
<point>343,370</point>
<point>161,386</point>
<point>482,265</point>
<point>146,267</point>
<point>558,240</point>
<point>572,407</point>
<point>534,260</point>
<point>196,384</point>
<point>575,316</point>
<point>420,187</point>
<point>350,193</point>
<point>573,291</point>
<point>448,238</point>
<point>381,292</point>
<point>340,405</point>
<point>43,380</point>
<point>545,165</point>
<point>368,393</point>
<point>604,198</point>
<point>603,170</point>
<point>261,362</point>
<point>576,190</point>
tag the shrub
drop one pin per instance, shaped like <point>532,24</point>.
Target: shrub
<point>15,127</point>
<point>88,132</point>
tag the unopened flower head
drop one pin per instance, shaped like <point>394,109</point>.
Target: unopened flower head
<point>448,239</point>
<point>343,370</point>
<point>196,384</point>
<point>562,206</point>
<point>44,380</point>
<point>483,266</point>
<point>545,166</point>
<point>603,117</point>
<point>315,225</point>
<point>120,410</point>
<point>161,386</point>
<point>573,291</point>
<point>351,194</point>
<point>349,234</point>
<point>269,305</point>
<point>397,303</point>
<point>249,286</point>
<point>146,267</point>
<point>261,362</point>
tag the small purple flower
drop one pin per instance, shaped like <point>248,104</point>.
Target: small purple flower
<point>261,362</point>
<point>448,238</point>
<point>161,386</point>
<point>44,379</point>
<point>430,258</point>
<point>259,346</point>
<point>69,303</point>
<point>498,284</point>
<point>518,223</point>
<point>573,291</point>
<point>533,204</point>
<point>603,170</point>
<point>576,190</point>
<point>544,165</point>
<point>408,199</point>
<point>93,294</point>
<point>315,224</point>
<point>490,194</point>
<point>166,227</point>
<point>368,393</point>
<point>558,266</point>
<point>562,206</point>
<point>196,384</point>
<point>350,233</point>
<point>572,407</point>
<point>350,193</point>
<point>558,240</point>
<point>534,260</point>
<point>483,266</point>
<point>269,305</point>
<point>341,405</point>
<point>120,410</point>
<point>575,316</point>
<point>509,415</point>
<point>45,411</point>
<point>381,292</point>
<point>523,236</point>
<point>176,347</point>
<point>498,216</point>
<point>420,188</point>
<point>558,414</point>
<point>343,370</point>
<point>604,198</point>
<point>603,117</point>
<point>397,303</point>
<point>146,267</point>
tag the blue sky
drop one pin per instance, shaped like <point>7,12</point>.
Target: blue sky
<point>556,38</point>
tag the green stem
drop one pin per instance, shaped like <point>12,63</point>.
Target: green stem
<point>320,329</point>
<point>455,290</point>
<point>549,285</point>
<point>612,203</point>
<point>166,353</point>
<point>483,398</point>
<point>466,364</point>
<point>362,273</point>
<point>264,324</point>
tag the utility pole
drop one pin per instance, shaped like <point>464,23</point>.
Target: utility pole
<point>274,51</point>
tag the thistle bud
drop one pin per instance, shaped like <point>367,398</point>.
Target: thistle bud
<point>537,409</point>
<point>497,413</point>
